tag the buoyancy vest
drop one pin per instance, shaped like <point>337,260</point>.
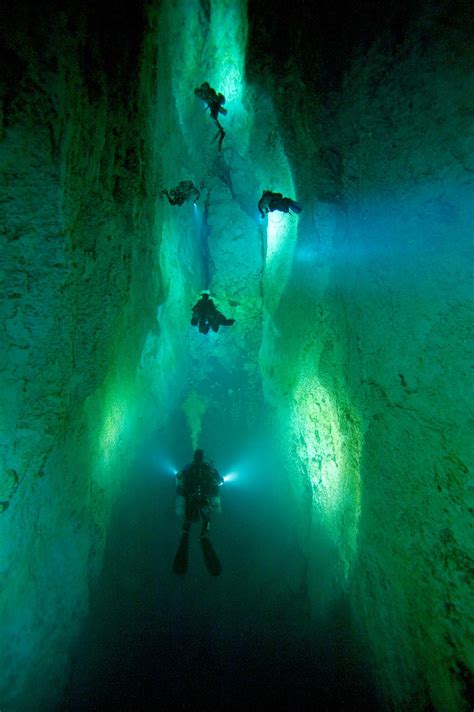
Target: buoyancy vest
<point>200,480</point>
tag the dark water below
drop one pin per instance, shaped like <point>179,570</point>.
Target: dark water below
<point>200,642</point>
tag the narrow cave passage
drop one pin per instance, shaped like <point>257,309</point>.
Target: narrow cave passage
<point>248,637</point>
<point>253,636</point>
<point>245,638</point>
<point>340,400</point>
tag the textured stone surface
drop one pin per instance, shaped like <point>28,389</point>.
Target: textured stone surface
<point>355,319</point>
<point>79,290</point>
<point>370,357</point>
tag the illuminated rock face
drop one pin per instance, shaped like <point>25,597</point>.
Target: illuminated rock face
<point>362,307</point>
<point>351,333</point>
<point>370,345</point>
<point>79,295</point>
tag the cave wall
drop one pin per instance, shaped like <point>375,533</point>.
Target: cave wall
<point>369,352</point>
<point>417,455</point>
<point>358,311</point>
<point>80,287</point>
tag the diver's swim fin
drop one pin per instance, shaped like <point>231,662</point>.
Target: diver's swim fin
<point>180,563</point>
<point>296,207</point>
<point>211,559</point>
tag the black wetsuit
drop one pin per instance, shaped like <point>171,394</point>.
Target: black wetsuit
<point>214,103</point>
<point>275,201</point>
<point>184,191</point>
<point>198,483</point>
<point>206,316</point>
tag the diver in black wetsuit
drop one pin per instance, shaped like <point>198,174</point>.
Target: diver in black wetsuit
<point>186,190</point>
<point>213,101</point>
<point>197,495</point>
<point>275,201</point>
<point>206,315</point>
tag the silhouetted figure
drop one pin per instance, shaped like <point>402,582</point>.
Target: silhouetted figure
<point>275,201</point>
<point>213,102</point>
<point>186,190</point>
<point>206,316</point>
<point>197,495</point>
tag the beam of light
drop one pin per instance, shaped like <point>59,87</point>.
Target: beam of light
<point>328,451</point>
<point>277,234</point>
<point>112,417</point>
<point>197,217</point>
<point>229,37</point>
<point>281,235</point>
<point>281,240</point>
<point>231,477</point>
<point>113,426</point>
<point>162,464</point>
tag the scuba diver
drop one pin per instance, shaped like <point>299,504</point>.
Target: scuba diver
<point>186,190</point>
<point>197,495</point>
<point>206,315</point>
<point>213,102</point>
<point>275,201</point>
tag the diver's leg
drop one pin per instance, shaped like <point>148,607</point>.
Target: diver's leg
<point>206,524</point>
<point>180,563</point>
<point>211,559</point>
<point>296,207</point>
<point>205,517</point>
<point>191,513</point>
<point>186,526</point>
<point>222,134</point>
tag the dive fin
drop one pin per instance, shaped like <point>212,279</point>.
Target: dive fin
<point>296,207</point>
<point>180,563</point>
<point>211,559</point>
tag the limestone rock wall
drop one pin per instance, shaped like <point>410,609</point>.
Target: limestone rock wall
<point>412,213</point>
<point>369,352</point>
<point>79,293</point>
<point>364,303</point>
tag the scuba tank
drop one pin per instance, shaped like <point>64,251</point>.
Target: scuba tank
<point>216,503</point>
<point>200,485</point>
<point>212,488</point>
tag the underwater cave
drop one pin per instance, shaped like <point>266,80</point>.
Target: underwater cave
<point>337,402</point>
